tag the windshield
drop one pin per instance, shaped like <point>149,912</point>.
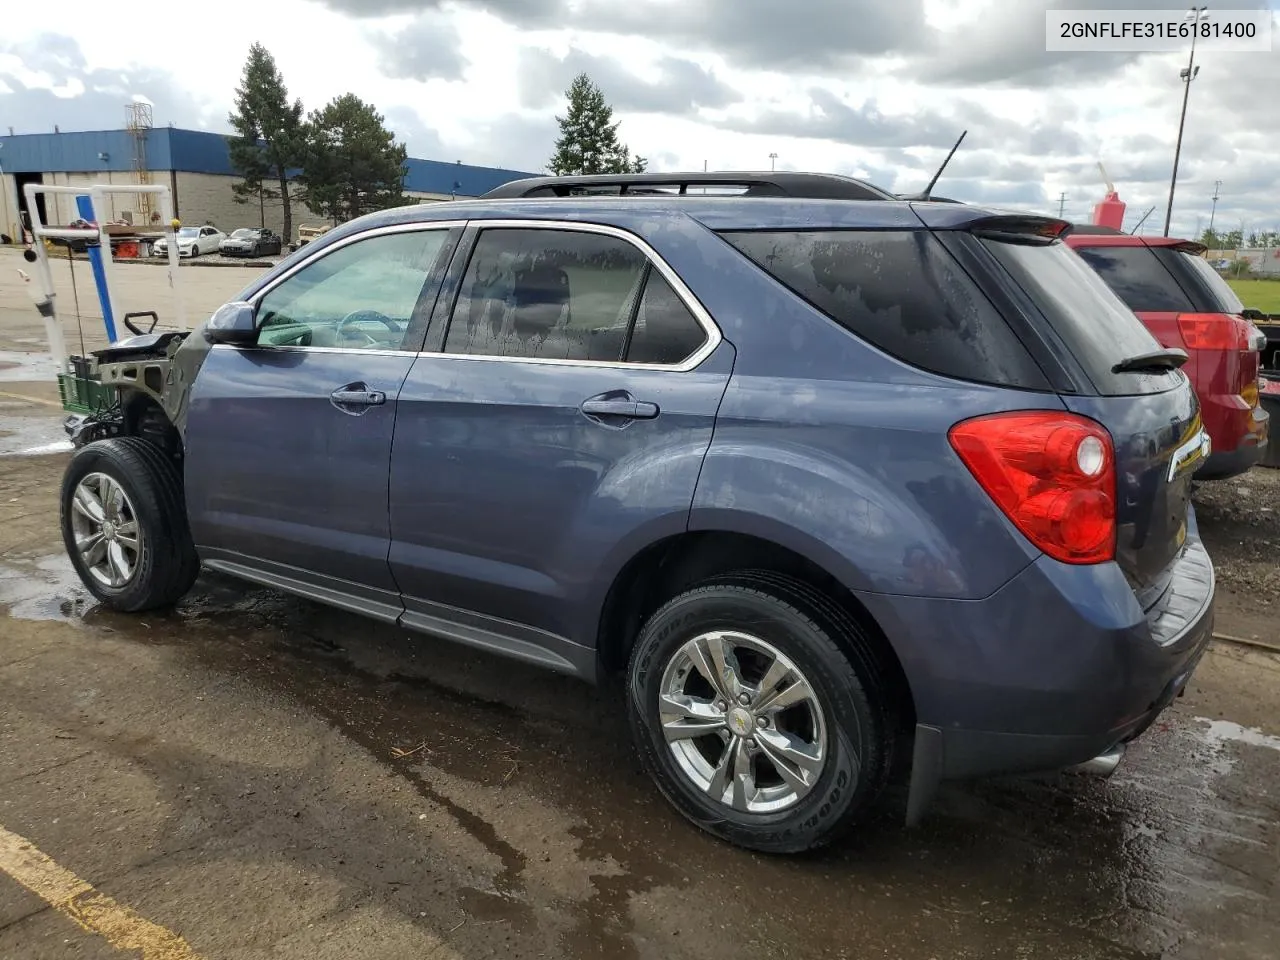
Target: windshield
<point>242,234</point>
<point>187,233</point>
<point>1095,324</point>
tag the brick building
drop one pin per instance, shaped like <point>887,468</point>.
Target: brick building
<point>197,168</point>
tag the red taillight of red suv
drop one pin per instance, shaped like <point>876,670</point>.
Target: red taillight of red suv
<point>1053,475</point>
<point>1218,331</point>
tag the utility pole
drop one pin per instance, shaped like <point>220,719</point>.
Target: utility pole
<point>1062,203</point>
<point>773,159</point>
<point>1214,209</point>
<point>1188,74</point>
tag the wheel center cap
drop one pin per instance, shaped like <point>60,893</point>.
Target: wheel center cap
<point>108,529</point>
<point>740,721</point>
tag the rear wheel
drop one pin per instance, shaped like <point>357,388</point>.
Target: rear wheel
<point>124,524</point>
<point>750,717</point>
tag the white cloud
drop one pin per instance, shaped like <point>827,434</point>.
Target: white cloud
<point>878,88</point>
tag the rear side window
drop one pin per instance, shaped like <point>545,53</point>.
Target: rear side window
<point>1095,324</point>
<point>1214,293</point>
<point>1138,278</point>
<point>903,293</point>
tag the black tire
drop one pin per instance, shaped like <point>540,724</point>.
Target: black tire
<point>166,564</point>
<point>195,252</point>
<point>853,695</point>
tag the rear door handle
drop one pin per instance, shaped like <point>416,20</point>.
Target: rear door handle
<point>631,409</point>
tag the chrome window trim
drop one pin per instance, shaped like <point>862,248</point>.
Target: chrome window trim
<point>712,340</point>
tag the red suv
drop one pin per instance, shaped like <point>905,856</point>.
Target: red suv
<point>1184,303</point>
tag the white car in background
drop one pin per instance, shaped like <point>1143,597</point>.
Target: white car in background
<point>192,241</point>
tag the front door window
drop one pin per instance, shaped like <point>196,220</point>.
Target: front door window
<point>362,296</point>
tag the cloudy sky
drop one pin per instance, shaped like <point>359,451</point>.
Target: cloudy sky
<point>873,88</point>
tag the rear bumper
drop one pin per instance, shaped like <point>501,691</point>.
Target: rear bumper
<point>1056,668</point>
<point>1231,463</point>
<point>1239,439</point>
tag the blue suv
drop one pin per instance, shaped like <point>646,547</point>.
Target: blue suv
<point>842,486</point>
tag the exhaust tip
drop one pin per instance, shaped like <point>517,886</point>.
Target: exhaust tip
<point>1103,765</point>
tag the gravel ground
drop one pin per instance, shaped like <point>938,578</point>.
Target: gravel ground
<point>1240,523</point>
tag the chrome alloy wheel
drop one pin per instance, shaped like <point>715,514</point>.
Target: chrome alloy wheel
<point>105,529</point>
<point>742,722</point>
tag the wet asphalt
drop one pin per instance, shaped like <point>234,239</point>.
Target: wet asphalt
<point>271,778</point>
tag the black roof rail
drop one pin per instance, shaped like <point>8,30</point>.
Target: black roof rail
<point>921,198</point>
<point>808,186</point>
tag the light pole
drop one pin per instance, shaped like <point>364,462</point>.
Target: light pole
<point>1214,209</point>
<point>773,159</point>
<point>1187,74</point>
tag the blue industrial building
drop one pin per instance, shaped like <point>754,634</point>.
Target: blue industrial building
<point>197,167</point>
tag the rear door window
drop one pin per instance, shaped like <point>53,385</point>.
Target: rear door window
<point>1095,324</point>
<point>555,294</point>
<point>902,292</point>
<point>1138,278</point>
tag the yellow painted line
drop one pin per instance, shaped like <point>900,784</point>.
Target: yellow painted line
<point>95,912</point>
<point>19,396</point>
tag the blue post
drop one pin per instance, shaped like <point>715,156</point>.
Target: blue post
<point>85,208</point>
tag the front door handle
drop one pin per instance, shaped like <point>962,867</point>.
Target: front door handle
<point>631,409</point>
<point>357,395</point>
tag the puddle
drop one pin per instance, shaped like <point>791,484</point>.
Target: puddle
<point>1223,731</point>
<point>43,589</point>
<point>32,436</point>
<point>16,367</point>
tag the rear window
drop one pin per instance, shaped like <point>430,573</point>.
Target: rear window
<point>1214,292</point>
<point>1094,323</point>
<point>1138,278</point>
<point>902,292</point>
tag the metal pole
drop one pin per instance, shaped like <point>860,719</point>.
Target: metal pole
<point>99,263</point>
<point>1214,209</point>
<point>1182,119</point>
<point>1062,203</point>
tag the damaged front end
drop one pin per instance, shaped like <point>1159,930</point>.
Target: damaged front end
<point>137,386</point>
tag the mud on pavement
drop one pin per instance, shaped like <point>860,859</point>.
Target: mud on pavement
<point>265,777</point>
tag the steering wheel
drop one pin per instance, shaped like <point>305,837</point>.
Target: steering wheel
<point>356,316</point>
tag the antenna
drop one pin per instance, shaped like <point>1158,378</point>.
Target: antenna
<point>1140,222</point>
<point>929,189</point>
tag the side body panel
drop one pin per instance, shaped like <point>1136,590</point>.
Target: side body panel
<point>507,501</point>
<point>277,476</point>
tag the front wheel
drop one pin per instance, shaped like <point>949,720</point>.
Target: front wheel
<point>195,252</point>
<point>753,720</point>
<point>124,524</point>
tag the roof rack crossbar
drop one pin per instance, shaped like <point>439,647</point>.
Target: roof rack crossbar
<point>810,186</point>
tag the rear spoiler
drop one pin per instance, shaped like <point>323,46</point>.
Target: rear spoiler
<point>1010,225</point>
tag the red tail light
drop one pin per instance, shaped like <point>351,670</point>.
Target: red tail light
<point>1053,475</point>
<point>1217,331</point>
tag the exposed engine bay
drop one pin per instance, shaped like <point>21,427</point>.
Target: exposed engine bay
<point>152,375</point>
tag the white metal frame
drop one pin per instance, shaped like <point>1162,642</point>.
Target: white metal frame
<point>97,194</point>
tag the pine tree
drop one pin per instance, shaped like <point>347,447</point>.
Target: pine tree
<point>269,141</point>
<point>352,163</point>
<point>588,140</point>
